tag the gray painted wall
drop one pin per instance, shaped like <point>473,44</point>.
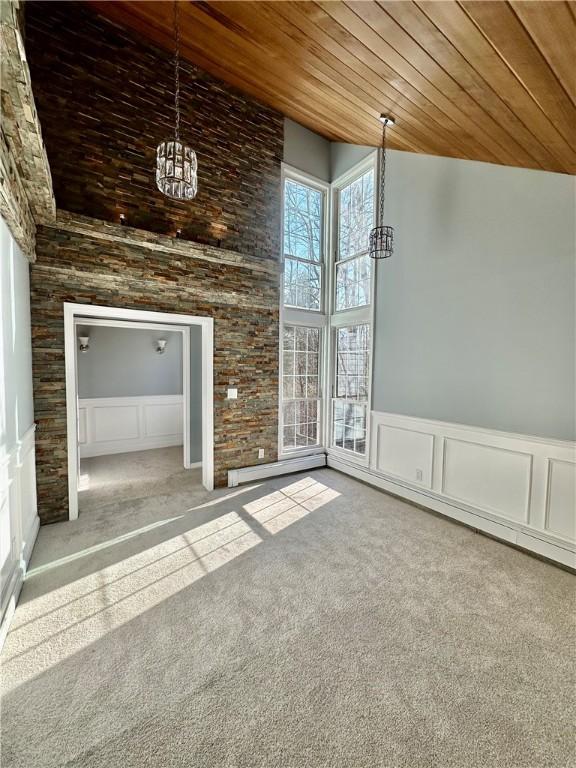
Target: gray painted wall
<point>195,394</point>
<point>475,312</point>
<point>16,401</point>
<point>306,150</point>
<point>343,157</point>
<point>122,362</point>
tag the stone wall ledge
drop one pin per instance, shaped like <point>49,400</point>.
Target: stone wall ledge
<point>104,230</point>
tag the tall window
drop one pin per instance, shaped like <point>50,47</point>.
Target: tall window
<point>303,321</point>
<point>326,314</point>
<point>303,230</point>
<point>355,220</point>
<point>351,320</point>
<point>300,386</point>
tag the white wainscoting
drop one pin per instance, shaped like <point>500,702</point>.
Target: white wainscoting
<point>516,487</point>
<point>122,424</point>
<point>19,522</point>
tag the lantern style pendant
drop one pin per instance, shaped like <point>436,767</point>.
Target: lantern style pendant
<point>382,237</point>
<point>176,164</point>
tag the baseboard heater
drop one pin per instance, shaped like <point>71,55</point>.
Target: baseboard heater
<point>285,467</point>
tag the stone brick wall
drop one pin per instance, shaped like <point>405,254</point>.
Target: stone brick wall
<point>105,100</point>
<point>73,265</point>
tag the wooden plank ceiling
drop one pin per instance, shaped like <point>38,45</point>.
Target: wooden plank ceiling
<point>492,81</point>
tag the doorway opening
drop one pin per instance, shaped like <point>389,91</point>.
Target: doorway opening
<point>139,397</point>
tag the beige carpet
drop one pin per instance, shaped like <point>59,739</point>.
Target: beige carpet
<point>127,476</point>
<point>306,622</point>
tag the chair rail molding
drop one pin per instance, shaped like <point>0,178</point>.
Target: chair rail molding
<point>519,488</point>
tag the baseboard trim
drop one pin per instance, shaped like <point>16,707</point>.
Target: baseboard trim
<point>276,468</point>
<point>128,446</point>
<point>507,531</point>
<point>17,578</point>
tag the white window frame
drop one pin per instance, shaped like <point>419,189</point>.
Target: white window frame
<point>310,318</point>
<point>349,317</point>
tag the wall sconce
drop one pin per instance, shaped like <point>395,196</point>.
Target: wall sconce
<point>161,346</point>
<point>84,343</point>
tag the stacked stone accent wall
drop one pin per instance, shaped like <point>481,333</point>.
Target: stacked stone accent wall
<point>104,98</point>
<point>74,266</point>
<point>26,196</point>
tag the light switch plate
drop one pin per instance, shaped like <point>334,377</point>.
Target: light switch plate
<point>232,394</point>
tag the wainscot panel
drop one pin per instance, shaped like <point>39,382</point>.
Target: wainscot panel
<point>18,522</point>
<point>123,424</point>
<point>518,488</point>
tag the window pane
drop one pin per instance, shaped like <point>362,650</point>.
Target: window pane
<point>353,283</point>
<point>300,387</point>
<point>356,216</point>
<point>302,284</point>
<point>349,426</point>
<point>288,337</point>
<point>289,437</point>
<point>349,411</point>
<point>288,363</point>
<point>287,387</point>
<point>301,335</point>
<point>302,221</point>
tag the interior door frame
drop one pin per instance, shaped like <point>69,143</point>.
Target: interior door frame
<point>185,331</point>
<point>75,314</point>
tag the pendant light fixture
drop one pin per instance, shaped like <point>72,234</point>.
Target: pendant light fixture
<point>176,164</point>
<point>382,237</point>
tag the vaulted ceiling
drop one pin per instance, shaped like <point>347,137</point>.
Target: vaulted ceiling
<point>492,81</point>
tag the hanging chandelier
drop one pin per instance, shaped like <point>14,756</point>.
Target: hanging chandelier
<point>382,237</point>
<point>176,163</point>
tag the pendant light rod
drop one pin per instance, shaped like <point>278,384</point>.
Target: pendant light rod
<point>176,163</point>
<point>177,69</point>
<point>382,236</point>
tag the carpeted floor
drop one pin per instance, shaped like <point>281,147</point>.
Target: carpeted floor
<point>128,476</point>
<point>304,622</point>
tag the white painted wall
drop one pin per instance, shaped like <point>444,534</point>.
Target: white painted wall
<point>17,412</point>
<point>18,514</point>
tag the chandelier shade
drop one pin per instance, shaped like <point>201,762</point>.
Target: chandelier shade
<point>176,168</point>
<point>382,236</point>
<point>382,242</point>
<point>176,164</point>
